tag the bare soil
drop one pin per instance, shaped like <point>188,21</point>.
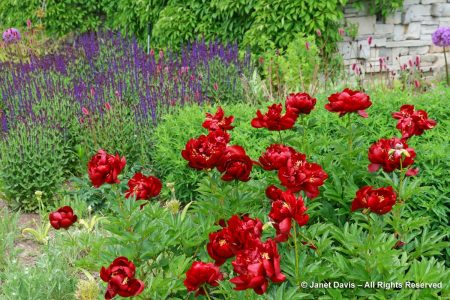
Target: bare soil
<point>29,250</point>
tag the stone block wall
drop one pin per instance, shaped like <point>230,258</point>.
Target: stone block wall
<point>404,35</point>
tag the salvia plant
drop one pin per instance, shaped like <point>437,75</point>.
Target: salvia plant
<point>104,81</point>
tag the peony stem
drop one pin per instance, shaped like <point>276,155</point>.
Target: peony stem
<point>350,135</point>
<point>400,185</point>
<point>206,292</point>
<point>310,242</point>
<point>281,138</point>
<point>397,212</point>
<point>71,237</point>
<point>297,276</point>
<point>304,133</point>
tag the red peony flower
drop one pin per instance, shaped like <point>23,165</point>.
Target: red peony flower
<point>205,151</point>
<point>390,154</point>
<point>273,120</point>
<point>62,218</point>
<point>301,103</point>
<point>379,201</point>
<point>412,122</point>
<point>273,193</point>
<point>245,230</point>
<point>143,187</point>
<point>104,168</point>
<point>300,175</point>
<point>283,211</point>
<point>240,233</point>
<point>201,274</point>
<point>222,245</point>
<point>219,137</point>
<point>349,101</point>
<point>256,265</point>
<point>218,121</point>
<point>276,156</point>
<point>120,278</point>
<point>235,163</point>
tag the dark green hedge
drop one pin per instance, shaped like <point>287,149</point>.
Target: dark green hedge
<point>258,24</point>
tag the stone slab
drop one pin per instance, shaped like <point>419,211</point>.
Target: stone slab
<point>409,43</point>
<point>410,2</point>
<point>413,31</point>
<point>399,33</point>
<point>366,25</point>
<point>419,50</point>
<point>433,1</point>
<point>394,18</point>
<point>398,52</point>
<point>440,10</point>
<point>428,29</point>
<point>415,13</point>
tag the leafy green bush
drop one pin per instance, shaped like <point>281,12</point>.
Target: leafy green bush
<point>255,24</point>
<point>172,134</point>
<point>59,17</point>
<point>33,158</point>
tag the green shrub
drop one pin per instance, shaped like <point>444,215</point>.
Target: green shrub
<point>33,158</point>
<point>172,134</point>
<point>58,17</point>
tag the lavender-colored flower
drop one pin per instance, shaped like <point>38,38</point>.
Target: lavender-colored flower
<point>441,37</point>
<point>11,35</point>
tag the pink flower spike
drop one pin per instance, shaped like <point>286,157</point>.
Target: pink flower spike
<point>85,111</point>
<point>307,46</point>
<point>108,106</point>
<point>341,31</point>
<point>319,33</point>
<point>369,40</point>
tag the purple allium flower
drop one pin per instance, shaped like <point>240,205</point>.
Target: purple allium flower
<point>11,35</point>
<point>441,37</point>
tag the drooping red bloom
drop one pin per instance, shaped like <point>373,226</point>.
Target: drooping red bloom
<point>349,101</point>
<point>301,103</point>
<point>202,273</point>
<point>62,218</point>
<point>256,265</point>
<point>237,235</point>
<point>120,278</point>
<point>412,122</point>
<point>273,193</point>
<point>283,211</point>
<point>104,168</point>
<point>300,175</point>
<point>222,245</point>
<point>391,154</point>
<point>218,121</point>
<point>273,120</point>
<point>379,201</point>
<point>235,164</point>
<point>245,230</point>
<point>143,187</point>
<point>205,151</point>
<point>275,157</point>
